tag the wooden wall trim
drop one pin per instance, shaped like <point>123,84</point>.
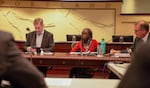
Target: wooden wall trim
<point>79,0</point>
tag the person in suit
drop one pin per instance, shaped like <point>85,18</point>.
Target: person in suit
<point>87,44</point>
<point>142,34</point>
<point>39,38</point>
<point>15,68</point>
<point>138,73</point>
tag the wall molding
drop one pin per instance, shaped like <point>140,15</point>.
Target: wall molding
<point>47,4</point>
<point>131,22</point>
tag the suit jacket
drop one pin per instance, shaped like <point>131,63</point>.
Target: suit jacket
<point>47,41</point>
<point>138,42</point>
<point>15,68</point>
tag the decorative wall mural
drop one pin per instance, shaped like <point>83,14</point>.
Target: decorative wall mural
<point>59,21</point>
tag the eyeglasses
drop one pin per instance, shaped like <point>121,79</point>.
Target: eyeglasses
<point>137,30</point>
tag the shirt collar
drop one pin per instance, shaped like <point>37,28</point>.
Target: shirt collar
<point>146,37</point>
<point>41,32</point>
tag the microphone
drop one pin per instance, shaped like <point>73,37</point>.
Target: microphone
<point>28,29</point>
<point>30,53</point>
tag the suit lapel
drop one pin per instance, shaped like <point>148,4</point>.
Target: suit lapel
<point>148,39</point>
<point>43,39</point>
<point>33,43</point>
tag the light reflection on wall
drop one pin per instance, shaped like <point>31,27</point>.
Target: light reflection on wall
<point>135,6</point>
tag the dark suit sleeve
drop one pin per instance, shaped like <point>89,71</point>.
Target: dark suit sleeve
<point>18,70</point>
<point>138,42</point>
<point>50,43</point>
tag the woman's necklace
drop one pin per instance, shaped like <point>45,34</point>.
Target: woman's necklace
<point>86,46</point>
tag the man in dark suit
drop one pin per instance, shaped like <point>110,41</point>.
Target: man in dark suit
<point>16,69</point>
<point>39,38</point>
<point>142,34</point>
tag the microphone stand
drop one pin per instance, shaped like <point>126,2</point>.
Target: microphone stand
<point>30,54</point>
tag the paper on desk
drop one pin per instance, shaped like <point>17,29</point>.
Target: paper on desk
<point>75,53</point>
<point>58,81</point>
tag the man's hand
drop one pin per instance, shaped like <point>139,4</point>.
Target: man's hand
<point>30,49</point>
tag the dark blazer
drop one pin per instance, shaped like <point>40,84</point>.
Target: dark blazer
<point>138,42</point>
<point>138,73</point>
<point>47,41</point>
<point>15,68</point>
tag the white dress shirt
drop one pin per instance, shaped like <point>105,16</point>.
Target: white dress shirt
<point>146,37</point>
<point>39,38</point>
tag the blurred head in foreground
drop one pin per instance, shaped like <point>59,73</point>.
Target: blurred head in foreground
<point>15,68</point>
<point>138,74</point>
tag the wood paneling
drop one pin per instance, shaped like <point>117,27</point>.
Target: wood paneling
<point>65,59</point>
<point>79,0</point>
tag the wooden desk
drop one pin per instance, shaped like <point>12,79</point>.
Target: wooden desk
<point>118,69</point>
<point>77,83</point>
<point>65,59</point>
<point>81,83</point>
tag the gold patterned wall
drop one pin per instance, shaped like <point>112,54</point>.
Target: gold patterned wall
<point>124,24</point>
<point>58,19</point>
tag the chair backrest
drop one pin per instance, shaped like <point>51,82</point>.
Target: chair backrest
<point>73,37</point>
<point>122,38</point>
